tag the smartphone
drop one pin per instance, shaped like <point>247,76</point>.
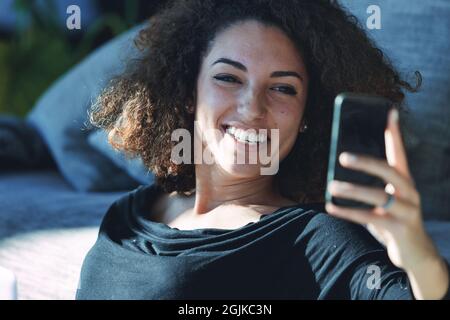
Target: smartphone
<point>359,123</point>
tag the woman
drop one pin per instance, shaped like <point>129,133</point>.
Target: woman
<point>221,228</point>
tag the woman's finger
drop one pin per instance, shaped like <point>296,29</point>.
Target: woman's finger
<point>395,150</point>
<point>383,170</point>
<point>350,191</point>
<point>360,216</point>
<point>400,208</point>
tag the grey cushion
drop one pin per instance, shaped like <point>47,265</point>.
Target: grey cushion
<point>21,146</point>
<point>415,35</point>
<point>60,117</point>
<point>440,233</point>
<point>134,167</point>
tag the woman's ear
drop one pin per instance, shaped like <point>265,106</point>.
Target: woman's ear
<point>191,109</point>
<point>190,106</point>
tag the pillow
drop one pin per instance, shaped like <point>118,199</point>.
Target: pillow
<point>416,37</point>
<point>61,113</point>
<point>21,146</point>
<point>134,167</point>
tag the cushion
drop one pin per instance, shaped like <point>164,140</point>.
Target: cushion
<point>134,167</point>
<point>21,146</point>
<point>60,117</point>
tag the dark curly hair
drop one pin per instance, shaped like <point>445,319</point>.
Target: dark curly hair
<point>141,107</point>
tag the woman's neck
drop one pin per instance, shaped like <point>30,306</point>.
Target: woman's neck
<point>215,188</point>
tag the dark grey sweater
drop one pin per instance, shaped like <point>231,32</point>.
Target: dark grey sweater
<point>296,252</point>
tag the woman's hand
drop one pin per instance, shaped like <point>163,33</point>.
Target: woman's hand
<point>398,226</point>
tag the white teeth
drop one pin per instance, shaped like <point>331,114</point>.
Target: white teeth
<point>262,136</point>
<point>239,134</point>
<point>248,136</point>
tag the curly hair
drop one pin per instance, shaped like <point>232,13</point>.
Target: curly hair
<point>144,105</point>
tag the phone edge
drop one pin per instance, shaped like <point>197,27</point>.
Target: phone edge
<point>333,143</point>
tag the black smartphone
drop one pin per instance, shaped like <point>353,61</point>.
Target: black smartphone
<point>359,123</point>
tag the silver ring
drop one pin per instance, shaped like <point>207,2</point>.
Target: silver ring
<point>389,202</point>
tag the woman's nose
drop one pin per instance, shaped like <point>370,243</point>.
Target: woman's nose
<point>252,106</point>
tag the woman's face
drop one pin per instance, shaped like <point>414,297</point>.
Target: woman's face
<point>252,78</point>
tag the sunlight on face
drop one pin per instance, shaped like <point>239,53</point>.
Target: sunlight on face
<point>253,78</point>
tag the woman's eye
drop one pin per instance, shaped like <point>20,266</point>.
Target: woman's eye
<point>226,78</point>
<point>287,90</point>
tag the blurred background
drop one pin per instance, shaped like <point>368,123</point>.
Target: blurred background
<point>36,47</point>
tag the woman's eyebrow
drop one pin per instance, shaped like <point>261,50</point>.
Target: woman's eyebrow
<point>275,74</point>
<point>235,64</point>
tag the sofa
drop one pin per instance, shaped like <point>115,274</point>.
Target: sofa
<point>58,175</point>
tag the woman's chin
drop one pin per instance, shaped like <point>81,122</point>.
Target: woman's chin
<point>240,170</point>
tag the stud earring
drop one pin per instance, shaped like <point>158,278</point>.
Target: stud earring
<point>190,108</point>
<point>303,128</point>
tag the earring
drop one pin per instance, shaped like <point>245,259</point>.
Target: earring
<point>190,108</point>
<point>303,128</point>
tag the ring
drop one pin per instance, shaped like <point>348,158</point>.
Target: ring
<point>389,202</point>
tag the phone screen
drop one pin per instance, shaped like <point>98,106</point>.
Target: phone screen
<point>359,123</point>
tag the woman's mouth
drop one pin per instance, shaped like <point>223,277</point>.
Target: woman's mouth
<point>248,136</point>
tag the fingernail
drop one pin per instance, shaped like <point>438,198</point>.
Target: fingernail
<point>329,208</point>
<point>394,115</point>
<point>332,186</point>
<point>348,158</point>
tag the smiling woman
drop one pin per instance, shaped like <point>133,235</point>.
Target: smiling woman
<point>223,229</point>
<point>158,91</point>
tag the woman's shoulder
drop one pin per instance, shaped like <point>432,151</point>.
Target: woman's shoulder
<point>122,211</point>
